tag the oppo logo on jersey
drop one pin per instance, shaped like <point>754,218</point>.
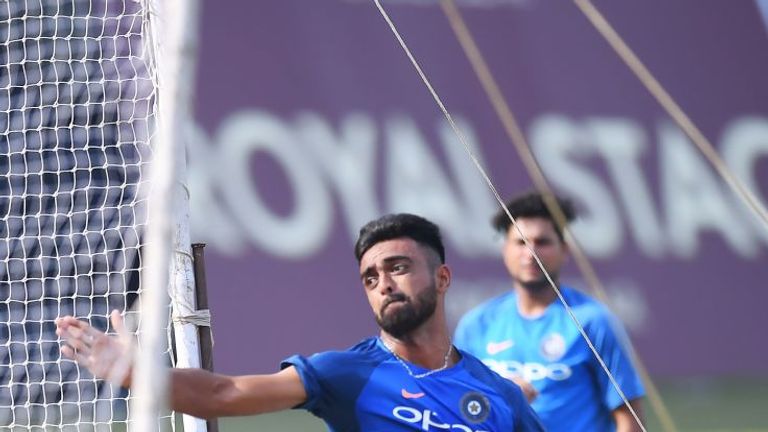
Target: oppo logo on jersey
<point>530,371</point>
<point>428,420</point>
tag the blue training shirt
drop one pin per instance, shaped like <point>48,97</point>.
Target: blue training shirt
<point>575,393</point>
<point>367,389</point>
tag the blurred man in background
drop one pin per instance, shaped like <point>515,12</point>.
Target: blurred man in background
<point>408,378</point>
<point>527,335</point>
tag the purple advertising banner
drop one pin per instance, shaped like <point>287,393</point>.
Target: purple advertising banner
<point>310,121</point>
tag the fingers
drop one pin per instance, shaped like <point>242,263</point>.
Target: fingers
<point>86,344</point>
<point>65,322</point>
<point>92,335</point>
<point>121,372</point>
<point>118,323</point>
<point>68,321</point>
<point>72,327</point>
<point>107,357</point>
<point>79,357</point>
<point>68,352</point>
<point>75,337</point>
<point>74,332</point>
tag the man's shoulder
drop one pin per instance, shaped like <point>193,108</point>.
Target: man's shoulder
<point>500,305</point>
<point>365,351</point>
<point>365,348</point>
<point>591,313</point>
<point>584,305</point>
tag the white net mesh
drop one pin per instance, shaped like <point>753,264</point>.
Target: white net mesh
<point>77,106</point>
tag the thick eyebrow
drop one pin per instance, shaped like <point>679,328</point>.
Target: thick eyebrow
<point>388,260</point>
<point>534,238</point>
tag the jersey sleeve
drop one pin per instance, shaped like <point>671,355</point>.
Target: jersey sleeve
<point>333,381</point>
<point>317,398</point>
<point>612,343</point>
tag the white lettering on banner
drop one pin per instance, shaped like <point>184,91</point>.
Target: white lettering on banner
<point>427,418</point>
<point>529,371</point>
<point>621,143</point>
<point>478,206</point>
<point>359,158</point>
<point>745,141</point>
<point>695,199</point>
<point>348,160</point>
<point>303,231</point>
<point>416,182</point>
<point>556,141</point>
<point>209,218</point>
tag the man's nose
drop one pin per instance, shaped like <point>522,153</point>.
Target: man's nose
<point>386,284</point>
<point>528,252</point>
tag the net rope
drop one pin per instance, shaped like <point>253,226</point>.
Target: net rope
<point>77,111</point>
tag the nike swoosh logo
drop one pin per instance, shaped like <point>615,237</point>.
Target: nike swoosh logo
<point>494,348</point>
<point>408,395</point>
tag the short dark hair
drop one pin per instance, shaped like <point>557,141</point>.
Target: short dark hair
<point>394,226</point>
<point>529,205</point>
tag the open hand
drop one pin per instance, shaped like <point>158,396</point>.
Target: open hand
<point>107,357</point>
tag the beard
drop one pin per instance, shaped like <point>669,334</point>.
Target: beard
<point>408,316</point>
<point>538,285</point>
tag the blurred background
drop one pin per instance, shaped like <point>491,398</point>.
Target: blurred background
<point>310,121</point>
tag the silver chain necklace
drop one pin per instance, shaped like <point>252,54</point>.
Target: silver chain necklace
<point>408,368</point>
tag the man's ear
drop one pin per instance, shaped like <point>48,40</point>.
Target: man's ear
<point>443,278</point>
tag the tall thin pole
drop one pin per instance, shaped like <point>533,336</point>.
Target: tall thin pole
<point>205,332</point>
<point>187,317</point>
<point>168,23</point>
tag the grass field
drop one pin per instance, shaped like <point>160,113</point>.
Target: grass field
<point>696,405</point>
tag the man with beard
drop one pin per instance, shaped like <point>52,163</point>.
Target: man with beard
<point>408,378</point>
<point>528,336</point>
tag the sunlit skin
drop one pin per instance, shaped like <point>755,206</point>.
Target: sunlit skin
<point>402,270</point>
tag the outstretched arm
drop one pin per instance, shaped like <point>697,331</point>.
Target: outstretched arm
<point>193,391</point>
<point>206,395</point>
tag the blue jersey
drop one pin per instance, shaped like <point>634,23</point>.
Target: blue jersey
<point>575,393</point>
<point>367,389</point>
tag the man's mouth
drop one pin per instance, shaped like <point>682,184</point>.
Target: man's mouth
<point>532,268</point>
<point>392,300</point>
